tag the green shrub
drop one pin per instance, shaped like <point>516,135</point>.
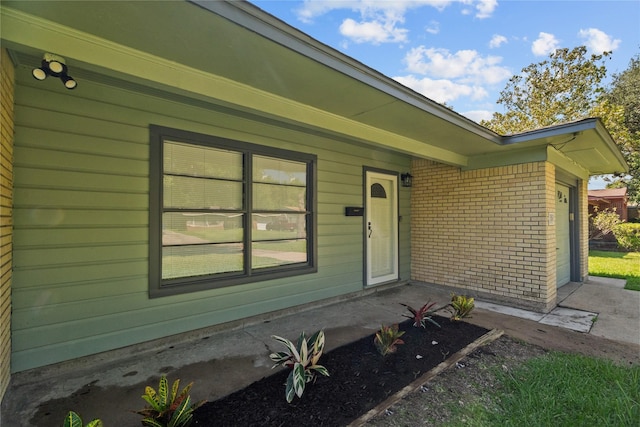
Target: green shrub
<point>603,222</point>
<point>628,235</point>
<point>387,339</point>
<point>73,420</point>
<point>461,306</point>
<point>168,407</point>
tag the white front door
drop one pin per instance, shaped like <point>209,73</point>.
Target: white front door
<point>563,236</point>
<point>381,227</point>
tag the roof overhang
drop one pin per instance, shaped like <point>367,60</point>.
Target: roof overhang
<point>585,142</point>
<point>234,55</point>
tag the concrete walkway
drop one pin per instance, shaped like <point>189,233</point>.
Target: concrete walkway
<point>601,307</point>
<point>222,360</point>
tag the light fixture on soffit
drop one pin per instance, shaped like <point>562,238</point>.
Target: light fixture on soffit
<point>55,66</point>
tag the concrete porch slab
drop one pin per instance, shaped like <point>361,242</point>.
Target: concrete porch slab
<point>569,318</point>
<point>576,320</point>
<point>510,311</point>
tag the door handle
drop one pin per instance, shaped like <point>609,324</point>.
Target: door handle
<point>370,229</point>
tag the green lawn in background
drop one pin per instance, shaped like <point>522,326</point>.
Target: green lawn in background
<point>620,265</point>
<point>561,390</point>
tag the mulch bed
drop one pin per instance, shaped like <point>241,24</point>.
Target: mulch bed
<point>360,380</point>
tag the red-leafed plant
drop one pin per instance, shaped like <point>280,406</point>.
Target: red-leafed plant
<point>422,315</point>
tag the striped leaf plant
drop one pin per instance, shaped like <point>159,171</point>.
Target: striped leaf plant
<point>302,358</point>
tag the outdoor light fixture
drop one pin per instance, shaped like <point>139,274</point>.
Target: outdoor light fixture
<point>54,65</point>
<point>406,179</point>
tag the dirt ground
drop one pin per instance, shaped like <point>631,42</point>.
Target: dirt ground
<point>473,379</point>
<point>469,381</point>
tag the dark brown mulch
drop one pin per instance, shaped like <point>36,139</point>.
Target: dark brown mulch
<point>360,379</point>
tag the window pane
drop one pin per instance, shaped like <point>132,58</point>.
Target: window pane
<point>193,228</point>
<point>213,210</point>
<point>192,261</point>
<point>278,227</point>
<point>273,170</point>
<point>273,254</point>
<point>198,193</point>
<point>276,197</point>
<point>195,160</point>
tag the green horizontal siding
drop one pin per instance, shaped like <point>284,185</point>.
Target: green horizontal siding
<point>55,294</point>
<point>80,283</point>
<point>46,216</point>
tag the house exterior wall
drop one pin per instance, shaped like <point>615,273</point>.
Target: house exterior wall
<point>6,202</point>
<point>486,232</point>
<point>80,282</point>
<point>617,204</point>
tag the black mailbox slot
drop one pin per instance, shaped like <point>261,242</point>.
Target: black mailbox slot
<point>353,211</point>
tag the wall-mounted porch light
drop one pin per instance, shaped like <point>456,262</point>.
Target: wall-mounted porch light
<point>406,179</point>
<point>54,65</point>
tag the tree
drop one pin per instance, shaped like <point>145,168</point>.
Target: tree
<point>567,87</point>
<point>624,92</point>
<point>563,88</point>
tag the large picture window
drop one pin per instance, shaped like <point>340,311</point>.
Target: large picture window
<point>227,212</point>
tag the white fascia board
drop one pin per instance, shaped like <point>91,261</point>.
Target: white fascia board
<point>550,132</point>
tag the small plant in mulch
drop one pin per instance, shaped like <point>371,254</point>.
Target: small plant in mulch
<point>168,408</point>
<point>302,358</point>
<point>73,420</point>
<point>423,314</point>
<point>461,306</point>
<point>387,339</point>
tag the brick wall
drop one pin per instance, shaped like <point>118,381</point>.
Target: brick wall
<point>6,222</point>
<point>485,231</point>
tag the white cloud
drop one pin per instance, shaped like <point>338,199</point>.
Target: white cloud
<point>485,8</point>
<point>545,44</point>
<point>466,65</point>
<point>442,90</point>
<point>497,40</point>
<point>375,32</point>
<point>383,14</point>
<point>433,27</point>
<point>478,115</point>
<point>598,41</point>
<point>313,8</point>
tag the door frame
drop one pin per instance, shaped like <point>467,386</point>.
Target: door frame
<point>560,188</point>
<point>575,220</point>
<point>367,172</point>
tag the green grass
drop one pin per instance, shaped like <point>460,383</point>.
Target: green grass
<point>560,390</point>
<point>620,265</point>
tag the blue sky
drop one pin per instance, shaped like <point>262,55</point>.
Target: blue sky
<point>463,52</point>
